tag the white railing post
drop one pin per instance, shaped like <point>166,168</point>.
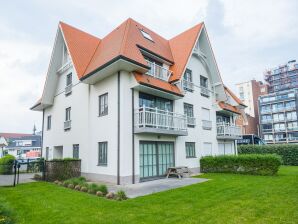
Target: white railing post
<point>144,116</point>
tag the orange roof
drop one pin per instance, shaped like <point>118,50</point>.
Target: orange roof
<point>229,107</point>
<point>89,53</point>
<point>157,83</point>
<point>234,96</point>
<point>181,47</point>
<point>81,46</point>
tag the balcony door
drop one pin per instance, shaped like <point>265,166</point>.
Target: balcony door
<point>155,159</point>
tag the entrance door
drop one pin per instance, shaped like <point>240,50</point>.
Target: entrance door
<point>155,158</point>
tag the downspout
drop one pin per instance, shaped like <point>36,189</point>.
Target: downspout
<point>133,136</point>
<point>118,130</point>
<point>42,127</point>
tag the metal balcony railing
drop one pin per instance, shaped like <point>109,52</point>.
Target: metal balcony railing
<point>67,125</point>
<point>191,121</point>
<point>68,89</point>
<point>206,124</point>
<point>188,86</point>
<point>153,118</point>
<point>205,91</point>
<point>228,130</point>
<point>158,71</point>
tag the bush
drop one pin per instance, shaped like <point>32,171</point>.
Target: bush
<point>110,195</point>
<point>288,152</point>
<point>120,195</point>
<point>62,169</point>
<point>103,188</point>
<point>6,164</point>
<point>245,164</point>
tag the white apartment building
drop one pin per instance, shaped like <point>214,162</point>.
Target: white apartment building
<point>132,104</point>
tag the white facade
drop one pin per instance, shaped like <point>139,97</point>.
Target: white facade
<point>116,128</point>
<point>245,91</point>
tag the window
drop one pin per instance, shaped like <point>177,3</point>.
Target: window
<point>190,149</point>
<point>49,122</point>
<point>241,96</point>
<point>67,114</point>
<point>102,153</point>
<point>75,151</point>
<point>203,81</point>
<point>151,101</point>
<point>146,35</point>
<point>188,111</point>
<point>187,81</point>
<point>69,79</point>
<point>103,104</point>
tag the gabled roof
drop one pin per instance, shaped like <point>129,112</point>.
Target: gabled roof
<point>13,135</point>
<point>81,46</point>
<point>89,53</point>
<point>234,96</point>
<point>181,47</point>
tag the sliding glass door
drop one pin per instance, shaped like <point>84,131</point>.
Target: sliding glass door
<point>155,158</point>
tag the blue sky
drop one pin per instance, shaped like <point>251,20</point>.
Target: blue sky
<point>247,37</point>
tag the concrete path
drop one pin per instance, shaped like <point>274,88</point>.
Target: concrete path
<point>154,186</point>
<point>7,180</point>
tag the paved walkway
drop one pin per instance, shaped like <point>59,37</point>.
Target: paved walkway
<point>154,186</point>
<point>7,180</point>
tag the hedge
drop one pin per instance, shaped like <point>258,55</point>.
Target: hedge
<point>62,169</point>
<point>6,164</point>
<point>253,164</point>
<point>288,153</point>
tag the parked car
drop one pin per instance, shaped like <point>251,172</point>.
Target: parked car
<point>250,139</point>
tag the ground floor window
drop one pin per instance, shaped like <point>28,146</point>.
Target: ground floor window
<point>75,151</point>
<point>103,153</point>
<point>190,149</point>
<point>226,148</point>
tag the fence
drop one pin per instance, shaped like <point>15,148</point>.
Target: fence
<point>24,171</point>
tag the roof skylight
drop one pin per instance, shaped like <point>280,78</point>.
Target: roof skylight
<point>146,35</point>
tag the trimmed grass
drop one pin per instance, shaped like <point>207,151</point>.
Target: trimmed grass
<point>226,198</point>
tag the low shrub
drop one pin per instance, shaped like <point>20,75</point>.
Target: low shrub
<point>6,164</point>
<point>120,195</point>
<point>110,195</point>
<point>245,164</point>
<point>103,188</point>
<point>288,152</point>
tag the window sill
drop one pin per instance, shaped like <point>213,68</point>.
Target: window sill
<point>191,157</point>
<point>191,126</point>
<point>102,115</point>
<point>104,165</point>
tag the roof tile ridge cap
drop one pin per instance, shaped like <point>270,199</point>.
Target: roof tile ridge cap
<point>95,50</point>
<point>123,43</point>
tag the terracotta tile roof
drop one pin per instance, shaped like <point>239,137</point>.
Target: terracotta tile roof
<point>90,53</point>
<point>234,96</point>
<point>229,107</point>
<point>181,47</point>
<point>81,46</point>
<point>157,83</point>
<point>13,135</point>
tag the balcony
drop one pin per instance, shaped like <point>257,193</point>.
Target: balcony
<point>228,131</point>
<point>281,109</point>
<point>206,125</point>
<point>158,71</point>
<point>292,128</point>
<point>68,89</point>
<point>188,86</point>
<point>153,120</point>
<point>265,121</point>
<point>266,111</point>
<point>290,108</point>
<point>67,125</point>
<point>191,121</point>
<point>205,91</point>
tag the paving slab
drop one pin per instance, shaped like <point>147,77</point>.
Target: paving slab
<point>154,186</point>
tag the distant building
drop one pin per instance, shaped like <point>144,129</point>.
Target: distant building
<point>249,93</point>
<point>22,145</point>
<point>278,109</point>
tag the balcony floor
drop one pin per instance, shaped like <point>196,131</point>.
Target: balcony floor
<point>149,130</point>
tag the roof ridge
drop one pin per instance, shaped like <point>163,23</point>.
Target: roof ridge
<point>124,39</point>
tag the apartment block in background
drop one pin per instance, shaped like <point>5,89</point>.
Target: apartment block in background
<point>249,93</point>
<point>278,109</point>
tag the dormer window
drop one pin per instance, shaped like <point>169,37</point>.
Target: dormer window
<point>146,35</point>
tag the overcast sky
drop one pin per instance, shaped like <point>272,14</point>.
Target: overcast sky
<point>246,36</point>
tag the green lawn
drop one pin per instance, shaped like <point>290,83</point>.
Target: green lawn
<point>226,198</point>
